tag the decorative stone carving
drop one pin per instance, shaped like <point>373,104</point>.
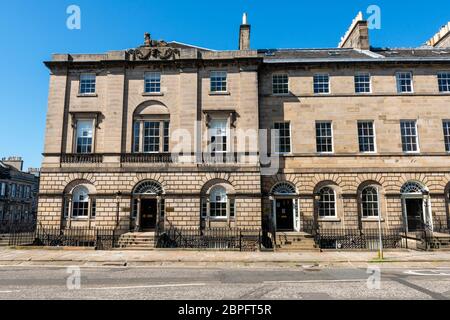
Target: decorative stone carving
<point>153,49</point>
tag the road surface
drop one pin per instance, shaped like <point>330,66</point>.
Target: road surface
<point>306,282</point>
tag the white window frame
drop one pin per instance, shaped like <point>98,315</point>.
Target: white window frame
<point>92,121</point>
<point>314,83</point>
<point>149,78</point>
<point>93,75</point>
<point>274,75</point>
<point>332,137</point>
<point>323,217</point>
<point>397,77</point>
<point>374,136</point>
<point>211,135</point>
<point>370,82</point>
<point>417,135</point>
<point>448,84</point>
<point>213,75</point>
<point>446,132</point>
<point>277,137</point>
<point>374,217</point>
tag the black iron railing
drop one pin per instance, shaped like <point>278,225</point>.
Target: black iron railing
<point>148,158</point>
<point>210,238</point>
<point>99,238</point>
<point>366,239</point>
<point>81,158</point>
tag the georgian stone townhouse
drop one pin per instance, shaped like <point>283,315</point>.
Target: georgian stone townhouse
<point>292,139</point>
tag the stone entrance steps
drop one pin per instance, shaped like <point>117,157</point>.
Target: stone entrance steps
<point>440,241</point>
<point>137,241</point>
<point>295,241</point>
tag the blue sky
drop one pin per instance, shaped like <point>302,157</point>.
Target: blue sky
<point>30,31</point>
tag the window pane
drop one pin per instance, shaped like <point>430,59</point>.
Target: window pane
<point>280,84</point>
<point>218,136</point>
<point>84,136</point>
<point>404,82</point>
<point>327,202</point>
<point>166,136</point>
<point>218,81</point>
<point>136,133</point>
<point>87,83</point>
<point>444,81</point>
<point>80,202</point>
<point>282,137</point>
<point>366,136</point>
<point>321,83</point>
<point>369,202</point>
<point>151,136</point>
<point>362,83</point>
<point>152,82</point>
<point>324,137</point>
<point>409,136</point>
<point>446,126</point>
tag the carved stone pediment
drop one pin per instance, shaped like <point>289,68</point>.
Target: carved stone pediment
<point>153,49</point>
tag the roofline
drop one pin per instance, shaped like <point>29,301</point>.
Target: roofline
<point>387,59</point>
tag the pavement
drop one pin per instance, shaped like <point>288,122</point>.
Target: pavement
<point>87,257</point>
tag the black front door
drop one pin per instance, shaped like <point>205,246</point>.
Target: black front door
<point>285,214</point>
<point>414,213</point>
<point>149,211</point>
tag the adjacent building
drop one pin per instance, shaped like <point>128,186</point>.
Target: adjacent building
<point>292,139</point>
<point>18,191</point>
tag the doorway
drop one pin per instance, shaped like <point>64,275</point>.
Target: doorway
<point>149,211</point>
<point>284,209</point>
<point>414,214</point>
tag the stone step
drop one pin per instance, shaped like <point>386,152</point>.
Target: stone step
<point>137,241</point>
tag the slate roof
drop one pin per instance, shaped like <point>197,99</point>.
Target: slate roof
<point>354,55</point>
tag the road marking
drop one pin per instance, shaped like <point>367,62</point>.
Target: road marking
<point>428,272</point>
<point>9,291</point>
<point>150,286</point>
<point>318,281</point>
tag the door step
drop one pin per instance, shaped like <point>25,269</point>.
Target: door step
<point>136,241</point>
<point>295,241</point>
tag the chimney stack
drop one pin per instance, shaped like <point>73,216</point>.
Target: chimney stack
<point>357,36</point>
<point>441,39</point>
<point>244,34</point>
<point>15,162</point>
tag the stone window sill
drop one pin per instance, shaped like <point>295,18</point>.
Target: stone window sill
<point>371,220</point>
<point>281,95</point>
<point>219,93</point>
<point>87,95</point>
<point>329,220</point>
<point>152,94</point>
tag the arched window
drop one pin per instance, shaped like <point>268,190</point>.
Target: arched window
<point>412,187</point>
<point>148,187</point>
<point>327,202</point>
<point>218,202</point>
<point>369,202</point>
<point>80,202</point>
<point>283,188</point>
